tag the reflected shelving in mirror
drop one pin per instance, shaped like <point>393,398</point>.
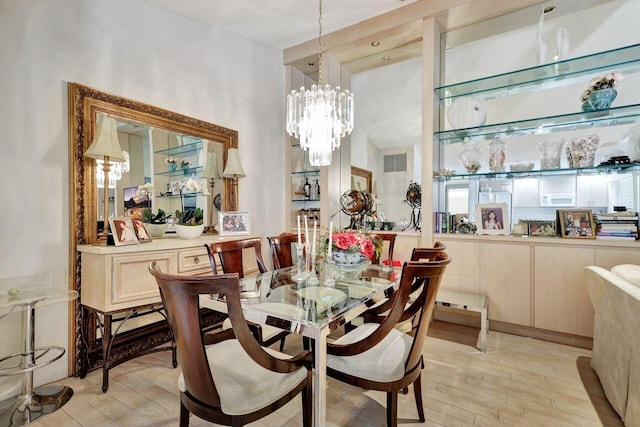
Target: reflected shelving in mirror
<point>595,170</point>
<point>190,172</point>
<point>305,200</point>
<point>311,172</point>
<point>627,114</point>
<point>182,150</point>
<point>625,59</point>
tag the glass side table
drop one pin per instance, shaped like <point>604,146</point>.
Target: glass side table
<point>32,403</point>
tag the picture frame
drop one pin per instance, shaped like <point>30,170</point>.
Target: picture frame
<point>539,228</point>
<point>576,223</point>
<point>141,231</point>
<point>123,231</point>
<point>492,218</point>
<point>233,223</point>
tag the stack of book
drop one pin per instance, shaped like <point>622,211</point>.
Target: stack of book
<point>617,225</point>
<point>441,222</point>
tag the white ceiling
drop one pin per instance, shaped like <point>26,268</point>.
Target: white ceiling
<point>280,23</point>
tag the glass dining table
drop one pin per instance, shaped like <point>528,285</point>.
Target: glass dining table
<point>285,300</point>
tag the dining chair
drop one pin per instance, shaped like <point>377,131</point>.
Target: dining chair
<point>380,357</point>
<point>282,248</point>
<point>227,377</point>
<point>230,254</point>
<point>386,237</point>
<point>408,321</point>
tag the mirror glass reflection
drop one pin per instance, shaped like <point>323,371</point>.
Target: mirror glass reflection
<point>162,171</point>
<point>387,138</point>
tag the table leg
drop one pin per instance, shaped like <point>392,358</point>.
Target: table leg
<point>320,379</point>
<point>106,341</point>
<point>484,326</point>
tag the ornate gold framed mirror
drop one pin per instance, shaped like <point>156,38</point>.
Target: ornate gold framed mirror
<point>85,106</point>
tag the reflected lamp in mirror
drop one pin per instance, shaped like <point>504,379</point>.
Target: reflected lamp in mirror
<point>211,173</point>
<point>234,171</point>
<point>106,147</point>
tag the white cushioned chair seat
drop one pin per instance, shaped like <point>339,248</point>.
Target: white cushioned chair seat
<point>267,331</point>
<point>243,385</point>
<point>629,272</point>
<point>384,362</point>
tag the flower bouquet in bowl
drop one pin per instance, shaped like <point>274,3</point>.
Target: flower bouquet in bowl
<point>350,251</point>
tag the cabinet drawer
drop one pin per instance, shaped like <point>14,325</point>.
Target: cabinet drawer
<point>194,261</point>
<point>132,282</point>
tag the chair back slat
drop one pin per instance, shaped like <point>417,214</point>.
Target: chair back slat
<point>281,247</point>
<point>230,254</point>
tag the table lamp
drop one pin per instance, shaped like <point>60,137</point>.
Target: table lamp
<point>105,146</point>
<point>234,171</point>
<point>211,172</point>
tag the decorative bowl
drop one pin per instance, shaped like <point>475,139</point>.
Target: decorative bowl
<point>520,167</point>
<point>189,231</point>
<point>156,230</point>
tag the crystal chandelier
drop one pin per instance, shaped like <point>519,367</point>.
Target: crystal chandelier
<point>115,172</point>
<point>319,117</point>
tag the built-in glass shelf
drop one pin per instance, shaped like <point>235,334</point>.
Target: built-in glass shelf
<point>178,195</point>
<point>305,200</point>
<point>627,114</point>
<point>182,172</point>
<point>625,60</point>
<point>182,150</point>
<point>309,172</point>
<point>624,168</point>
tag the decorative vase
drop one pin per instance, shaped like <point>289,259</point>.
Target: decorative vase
<point>466,112</point>
<point>471,156</point>
<point>497,155</point>
<point>349,264</point>
<point>189,231</point>
<point>582,150</point>
<point>600,99</point>
<point>550,152</point>
<point>173,167</point>
<point>156,230</point>
<point>629,144</point>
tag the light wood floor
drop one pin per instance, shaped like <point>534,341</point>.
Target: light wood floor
<point>518,382</point>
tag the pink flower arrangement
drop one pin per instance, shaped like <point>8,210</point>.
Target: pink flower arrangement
<point>351,241</point>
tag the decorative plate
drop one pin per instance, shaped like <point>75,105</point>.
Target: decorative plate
<point>323,294</point>
<point>466,112</point>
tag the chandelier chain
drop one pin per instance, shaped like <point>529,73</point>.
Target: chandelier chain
<point>320,42</point>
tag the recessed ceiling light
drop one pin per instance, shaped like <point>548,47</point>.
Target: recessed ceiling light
<point>375,43</point>
<point>548,9</point>
<point>386,58</point>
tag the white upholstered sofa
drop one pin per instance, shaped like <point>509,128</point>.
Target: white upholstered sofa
<point>615,296</point>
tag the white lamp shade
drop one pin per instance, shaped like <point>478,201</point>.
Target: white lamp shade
<point>233,168</point>
<point>211,168</point>
<point>105,143</point>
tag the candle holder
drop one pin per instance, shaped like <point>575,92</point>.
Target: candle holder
<point>300,274</point>
<point>312,279</point>
<point>328,274</point>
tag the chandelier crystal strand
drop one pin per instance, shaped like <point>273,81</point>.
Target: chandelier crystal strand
<point>320,116</point>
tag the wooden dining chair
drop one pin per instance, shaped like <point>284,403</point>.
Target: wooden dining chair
<point>230,254</point>
<point>391,239</point>
<point>282,248</point>
<point>380,357</point>
<point>227,377</point>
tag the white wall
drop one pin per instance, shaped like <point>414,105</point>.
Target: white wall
<point>131,49</point>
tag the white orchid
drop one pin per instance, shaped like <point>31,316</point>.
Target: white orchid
<point>194,186</point>
<point>145,190</point>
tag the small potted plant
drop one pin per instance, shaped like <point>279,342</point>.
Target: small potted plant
<point>172,162</point>
<point>156,224</point>
<point>185,165</point>
<point>189,223</point>
<point>601,92</point>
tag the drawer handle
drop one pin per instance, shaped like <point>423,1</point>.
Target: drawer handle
<point>196,260</point>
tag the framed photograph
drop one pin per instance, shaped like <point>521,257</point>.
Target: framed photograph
<point>233,223</point>
<point>141,231</point>
<point>134,204</point>
<point>541,228</point>
<point>576,223</point>
<point>492,218</point>
<point>122,230</point>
